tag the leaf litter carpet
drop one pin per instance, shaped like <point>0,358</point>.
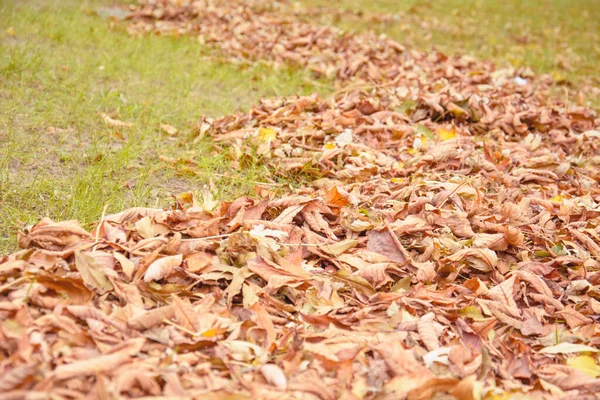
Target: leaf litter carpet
<point>447,247</point>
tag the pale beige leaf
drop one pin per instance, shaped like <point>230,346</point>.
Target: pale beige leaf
<point>428,334</point>
<point>162,267</point>
<point>91,272</point>
<point>144,227</point>
<point>127,265</point>
<point>168,129</point>
<point>114,123</point>
<point>566,348</point>
<point>274,376</point>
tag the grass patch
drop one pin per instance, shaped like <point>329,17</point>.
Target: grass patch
<point>61,66</point>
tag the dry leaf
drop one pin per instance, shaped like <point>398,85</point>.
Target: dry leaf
<point>274,375</point>
<point>91,272</point>
<point>114,123</point>
<point>162,267</point>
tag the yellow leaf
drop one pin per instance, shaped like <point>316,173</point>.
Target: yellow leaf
<point>446,134</point>
<point>558,76</point>
<point>585,364</point>
<point>557,199</point>
<point>471,312</point>
<point>11,31</point>
<point>210,333</point>
<point>498,396</point>
<point>267,134</point>
<point>186,197</point>
<point>329,146</point>
<point>397,180</point>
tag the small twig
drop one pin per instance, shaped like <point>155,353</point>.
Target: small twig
<point>209,237</point>
<point>301,244</point>
<point>169,322</point>
<point>15,282</point>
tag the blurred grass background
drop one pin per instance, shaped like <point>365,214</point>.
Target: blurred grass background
<point>558,37</point>
<point>61,65</point>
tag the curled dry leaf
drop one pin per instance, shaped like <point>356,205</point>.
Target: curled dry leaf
<point>483,260</point>
<point>168,129</point>
<point>127,265</point>
<point>114,123</point>
<point>102,363</point>
<point>274,376</point>
<point>162,267</point>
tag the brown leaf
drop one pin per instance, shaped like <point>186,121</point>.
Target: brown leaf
<point>73,289</point>
<point>263,321</point>
<point>481,259</point>
<point>127,265</point>
<point>504,293</point>
<point>270,272</point>
<point>151,318</point>
<point>386,243</point>
<point>574,318</point>
<point>14,377</point>
<point>185,314</point>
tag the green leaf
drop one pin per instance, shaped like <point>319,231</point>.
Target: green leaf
<point>559,250</point>
<point>472,312</point>
<point>424,131</point>
<point>407,107</point>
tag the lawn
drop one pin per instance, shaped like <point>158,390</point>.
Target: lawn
<point>62,66</point>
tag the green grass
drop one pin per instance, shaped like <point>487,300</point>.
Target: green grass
<point>61,66</point>
<point>559,37</point>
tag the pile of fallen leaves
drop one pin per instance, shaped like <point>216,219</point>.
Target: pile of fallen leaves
<point>449,246</point>
<point>251,30</point>
<point>396,287</point>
